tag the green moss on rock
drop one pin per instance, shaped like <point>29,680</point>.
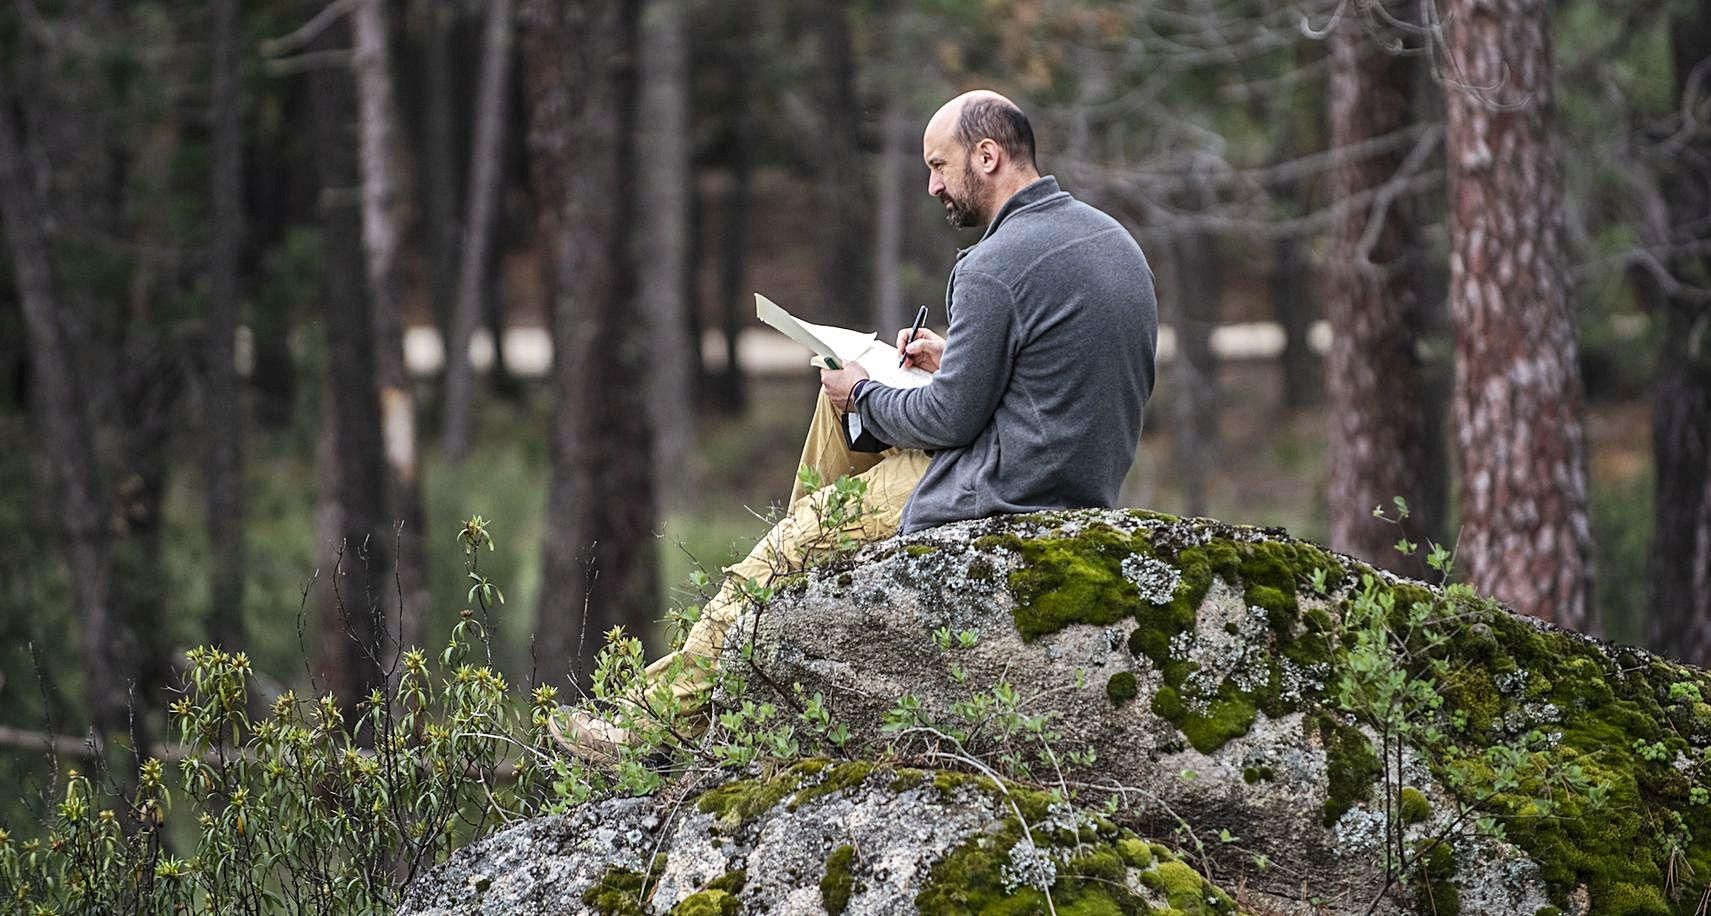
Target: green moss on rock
<point>1121,688</point>
<point>1350,768</point>
<point>623,891</point>
<point>839,882</point>
<point>1413,805</point>
<point>710,902</point>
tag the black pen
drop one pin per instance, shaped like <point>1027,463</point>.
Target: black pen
<point>920,319</point>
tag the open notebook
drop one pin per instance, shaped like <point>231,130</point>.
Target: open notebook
<point>835,347</point>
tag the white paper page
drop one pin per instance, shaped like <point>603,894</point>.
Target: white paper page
<point>842,344</point>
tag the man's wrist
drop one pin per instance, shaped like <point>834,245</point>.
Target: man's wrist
<point>855,393</point>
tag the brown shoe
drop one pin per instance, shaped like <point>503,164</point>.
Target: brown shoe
<point>583,734</point>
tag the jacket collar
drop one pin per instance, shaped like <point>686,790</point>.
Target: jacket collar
<point>1036,191</point>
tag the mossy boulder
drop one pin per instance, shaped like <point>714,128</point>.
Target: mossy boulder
<point>853,837</point>
<point>1195,669</point>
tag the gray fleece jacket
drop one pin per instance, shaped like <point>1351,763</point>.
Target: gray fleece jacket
<point>1047,367</point>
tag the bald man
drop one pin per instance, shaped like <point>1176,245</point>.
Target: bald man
<point>1036,398</point>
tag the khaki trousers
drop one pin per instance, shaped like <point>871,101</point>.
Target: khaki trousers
<point>891,477</point>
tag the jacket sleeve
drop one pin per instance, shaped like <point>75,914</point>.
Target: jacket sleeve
<point>951,410</point>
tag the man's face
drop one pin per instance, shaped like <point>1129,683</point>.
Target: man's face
<point>953,180</point>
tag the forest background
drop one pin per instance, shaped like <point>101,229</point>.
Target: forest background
<point>293,288</point>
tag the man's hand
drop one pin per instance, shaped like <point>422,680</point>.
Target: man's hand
<point>924,352</point>
<point>838,382</point>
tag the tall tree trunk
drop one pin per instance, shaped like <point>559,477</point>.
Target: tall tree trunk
<point>734,246</point>
<point>838,179</point>
<point>889,312</point>
<point>1376,443</point>
<point>665,165</point>
<point>66,430</point>
<point>1293,306</point>
<point>1518,403</point>
<point>352,451</point>
<point>487,162</point>
<point>224,438</point>
<point>599,555</point>
<point>1195,294</point>
<point>387,222</point>
<point>1680,557</point>
<point>440,169</point>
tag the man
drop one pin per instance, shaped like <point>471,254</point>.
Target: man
<point>1037,392</point>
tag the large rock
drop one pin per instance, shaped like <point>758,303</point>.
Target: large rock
<point>851,838</point>
<point>1202,663</point>
<point>1216,688</point>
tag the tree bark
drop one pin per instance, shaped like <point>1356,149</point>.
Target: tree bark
<point>1680,557</point>
<point>839,173</point>
<point>352,453</point>
<point>1518,403</point>
<point>66,430</point>
<point>889,312</point>
<point>440,166</point>
<point>1194,297</point>
<point>734,244</point>
<point>1376,441</point>
<point>224,437</point>
<point>487,160</point>
<point>387,222</point>
<point>666,167</point>
<point>598,567</point>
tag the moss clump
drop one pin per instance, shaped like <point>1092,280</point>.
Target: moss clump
<point>1350,767</point>
<point>1228,715</point>
<point>1251,775</point>
<point>1435,892</point>
<point>920,550</point>
<point>840,777</point>
<point>737,803</point>
<point>1121,688</point>
<point>1092,867</point>
<point>1414,806</point>
<point>709,902</point>
<point>730,882</point>
<point>623,892</point>
<point>1070,580</point>
<point>839,881</point>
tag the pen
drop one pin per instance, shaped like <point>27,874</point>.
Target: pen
<point>920,319</point>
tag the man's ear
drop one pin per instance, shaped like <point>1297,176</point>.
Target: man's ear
<point>988,155</point>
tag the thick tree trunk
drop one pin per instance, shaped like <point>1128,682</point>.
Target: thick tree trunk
<point>1376,441</point>
<point>487,161</point>
<point>224,435</point>
<point>1293,306</point>
<point>666,166</point>
<point>839,185</point>
<point>1680,558</point>
<point>352,451</point>
<point>1518,402</point>
<point>387,222</point>
<point>66,430</point>
<point>598,567</point>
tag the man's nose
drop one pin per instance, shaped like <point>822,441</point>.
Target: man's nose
<point>934,185</point>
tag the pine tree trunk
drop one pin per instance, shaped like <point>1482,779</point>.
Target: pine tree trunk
<point>387,222</point>
<point>598,568</point>
<point>734,297</point>
<point>1680,557</point>
<point>1194,294</point>
<point>666,165</point>
<point>1518,403</point>
<point>889,312</point>
<point>352,454</point>
<point>838,169</point>
<point>487,161</point>
<point>66,431</point>
<point>224,435</point>
<point>1376,442</point>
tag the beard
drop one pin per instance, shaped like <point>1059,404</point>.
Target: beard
<point>963,210</point>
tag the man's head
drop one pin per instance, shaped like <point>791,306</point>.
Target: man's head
<point>979,149</point>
